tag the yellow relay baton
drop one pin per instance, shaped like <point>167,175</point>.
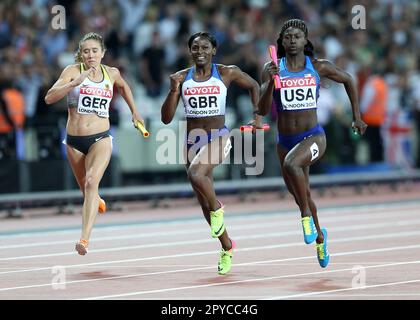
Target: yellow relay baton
<point>139,126</point>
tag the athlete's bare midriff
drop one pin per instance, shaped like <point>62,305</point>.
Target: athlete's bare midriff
<point>295,122</point>
<point>85,124</point>
<point>290,123</point>
<point>207,123</point>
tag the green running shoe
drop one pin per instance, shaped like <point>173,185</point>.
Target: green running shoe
<point>225,261</point>
<point>217,224</point>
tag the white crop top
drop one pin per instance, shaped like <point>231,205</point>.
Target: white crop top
<point>204,98</point>
<point>92,97</point>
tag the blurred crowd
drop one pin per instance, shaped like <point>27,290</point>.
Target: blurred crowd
<point>147,40</point>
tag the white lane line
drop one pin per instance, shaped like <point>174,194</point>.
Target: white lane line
<point>267,247</point>
<point>333,296</point>
<point>371,209</point>
<point>246,237</point>
<point>166,233</point>
<point>137,293</point>
<point>254,227</point>
<point>307,294</point>
<point>361,295</point>
<point>190,265</point>
<point>237,265</point>
<point>169,233</point>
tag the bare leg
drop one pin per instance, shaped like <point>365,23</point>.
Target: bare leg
<point>294,163</point>
<point>77,164</point>
<point>295,171</point>
<point>200,174</point>
<point>96,162</point>
<point>200,180</point>
<point>224,238</point>
<point>313,209</point>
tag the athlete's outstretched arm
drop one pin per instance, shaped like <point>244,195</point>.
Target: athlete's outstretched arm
<point>125,91</point>
<point>266,97</point>
<point>171,102</point>
<point>329,70</point>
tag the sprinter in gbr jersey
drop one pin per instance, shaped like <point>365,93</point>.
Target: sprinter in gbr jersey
<point>203,90</point>
<point>89,88</point>
<point>301,140</point>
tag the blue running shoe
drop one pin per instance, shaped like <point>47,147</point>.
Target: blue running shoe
<point>309,230</point>
<point>322,251</point>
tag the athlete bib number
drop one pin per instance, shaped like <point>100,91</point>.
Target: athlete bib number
<point>298,93</point>
<point>94,100</point>
<point>202,101</point>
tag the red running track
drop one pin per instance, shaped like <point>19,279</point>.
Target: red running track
<point>167,253</point>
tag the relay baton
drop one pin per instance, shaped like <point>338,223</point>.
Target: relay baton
<point>273,56</point>
<point>249,127</point>
<point>139,126</point>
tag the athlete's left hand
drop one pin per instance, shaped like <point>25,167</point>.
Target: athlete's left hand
<point>359,126</point>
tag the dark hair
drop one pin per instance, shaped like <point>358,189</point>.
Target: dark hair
<point>308,50</point>
<point>207,35</point>
<point>88,36</point>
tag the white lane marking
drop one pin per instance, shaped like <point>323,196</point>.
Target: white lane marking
<point>137,293</point>
<point>307,294</point>
<point>200,230</point>
<point>246,237</point>
<point>371,209</point>
<point>263,262</point>
<point>213,252</point>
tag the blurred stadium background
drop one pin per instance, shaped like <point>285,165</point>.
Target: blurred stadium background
<point>147,41</point>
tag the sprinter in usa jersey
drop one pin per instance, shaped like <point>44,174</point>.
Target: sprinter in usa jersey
<point>88,85</point>
<point>301,140</point>
<point>203,89</point>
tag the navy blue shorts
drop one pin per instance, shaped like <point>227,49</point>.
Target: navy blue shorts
<point>289,141</point>
<point>201,140</point>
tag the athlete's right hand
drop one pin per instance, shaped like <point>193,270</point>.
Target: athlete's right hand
<point>77,81</point>
<point>359,126</point>
<point>176,80</point>
<point>272,69</point>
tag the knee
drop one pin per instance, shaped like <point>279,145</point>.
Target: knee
<point>194,175</point>
<point>91,183</point>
